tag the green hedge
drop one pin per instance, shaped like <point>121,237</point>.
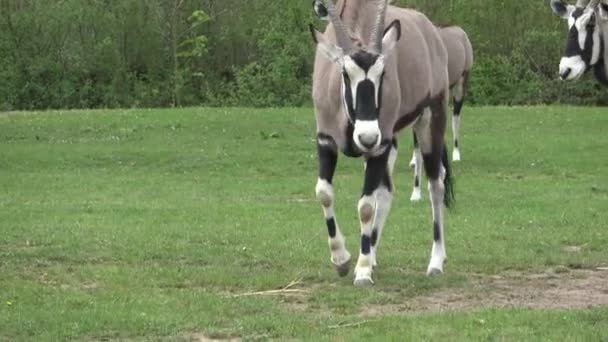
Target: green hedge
<point>158,53</point>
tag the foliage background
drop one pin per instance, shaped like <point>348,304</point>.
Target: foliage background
<point>159,53</point>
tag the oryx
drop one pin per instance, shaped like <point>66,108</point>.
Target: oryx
<point>587,38</point>
<point>460,63</point>
<point>370,81</point>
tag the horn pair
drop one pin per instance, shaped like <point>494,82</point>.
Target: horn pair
<point>342,37</point>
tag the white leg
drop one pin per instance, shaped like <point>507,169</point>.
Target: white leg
<point>432,155</point>
<point>364,268</point>
<point>438,254</point>
<point>458,93</point>
<point>373,209</point>
<point>384,198</point>
<point>340,256</point>
<point>416,193</point>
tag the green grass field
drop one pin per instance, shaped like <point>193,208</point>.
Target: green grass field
<point>175,224</point>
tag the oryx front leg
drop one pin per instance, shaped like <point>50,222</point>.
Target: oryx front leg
<point>458,92</point>
<point>417,159</point>
<point>430,138</point>
<point>328,157</point>
<point>374,206</point>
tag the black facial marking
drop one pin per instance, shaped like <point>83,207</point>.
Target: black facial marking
<point>327,157</point>
<point>348,96</point>
<point>364,59</point>
<point>573,47</point>
<point>374,237</point>
<point>331,227</point>
<point>436,232</point>
<point>365,94</point>
<point>366,101</point>
<point>365,244</point>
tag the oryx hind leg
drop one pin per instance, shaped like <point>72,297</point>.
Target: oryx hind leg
<point>458,98</point>
<point>328,157</point>
<point>417,161</point>
<point>430,132</point>
<point>374,206</point>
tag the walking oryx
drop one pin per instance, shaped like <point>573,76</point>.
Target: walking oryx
<point>587,38</point>
<point>369,82</point>
<point>460,62</point>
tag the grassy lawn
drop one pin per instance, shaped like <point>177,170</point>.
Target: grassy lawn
<point>160,225</point>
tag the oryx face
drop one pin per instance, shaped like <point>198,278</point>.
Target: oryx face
<point>362,77</point>
<point>583,44</point>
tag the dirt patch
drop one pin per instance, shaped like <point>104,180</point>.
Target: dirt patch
<point>203,338</point>
<point>577,289</point>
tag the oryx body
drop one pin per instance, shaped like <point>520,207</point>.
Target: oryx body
<point>460,63</point>
<point>587,39</point>
<point>370,81</point>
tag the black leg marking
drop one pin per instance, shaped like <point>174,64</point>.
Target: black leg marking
<point>458,106</point>
<point>328,156</point>
<point>374,237</point>
<point>416,181</point>
<point>432,164</point>
<point>331,227</point>
<point>436,232</point>
<point>415,140</point>
<point>376,173</point>
<point>456,143</point>
<point>366,243</point>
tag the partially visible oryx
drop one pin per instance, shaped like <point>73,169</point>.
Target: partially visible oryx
<point>370,81</point>
<point>460,63</point>
<point>587,38</point>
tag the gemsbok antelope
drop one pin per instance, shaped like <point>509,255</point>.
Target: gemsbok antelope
<point>587,39</point>
<point>460,63</point>
<point>370,81</point>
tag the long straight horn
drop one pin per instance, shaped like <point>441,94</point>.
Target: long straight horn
<point>582,3</point>
<point>378,28</point>
<point>342,38</point>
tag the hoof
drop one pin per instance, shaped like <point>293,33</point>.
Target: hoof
<point>416,196</point>
<point>413,162</point>
<point>363,281</point>
<point>343,268</point>
<point>434,272</point>
<point>456,155</point>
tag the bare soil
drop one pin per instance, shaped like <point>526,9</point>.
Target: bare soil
<point>575,289</point>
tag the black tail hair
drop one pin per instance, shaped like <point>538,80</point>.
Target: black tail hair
<point>448,182</point>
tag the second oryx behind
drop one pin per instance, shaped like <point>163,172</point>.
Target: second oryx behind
<point>460,63</point>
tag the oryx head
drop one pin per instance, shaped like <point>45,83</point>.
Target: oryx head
<point>583,45</point>
<point>362,69</point>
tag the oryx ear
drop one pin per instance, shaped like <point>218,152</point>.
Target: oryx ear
<point>334,53</point>
<point>320,10</point>
<point>391,36</point>
<point>561,9</point>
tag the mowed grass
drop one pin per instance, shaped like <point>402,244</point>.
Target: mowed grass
<point>145,224</point>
